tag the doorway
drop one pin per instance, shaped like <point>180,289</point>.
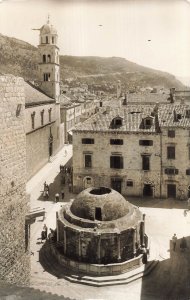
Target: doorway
<point>87,182</point>
<point>148,190</point>
<point>98,213</point>
<point>171,190</point>
<point>116,184</point>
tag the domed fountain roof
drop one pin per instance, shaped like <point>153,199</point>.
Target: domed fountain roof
<point>103,204</point>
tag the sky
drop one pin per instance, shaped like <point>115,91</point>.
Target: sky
<point>153,33</point>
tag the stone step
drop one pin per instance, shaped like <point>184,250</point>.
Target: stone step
<point>52,266</point>
<point>125,279</point>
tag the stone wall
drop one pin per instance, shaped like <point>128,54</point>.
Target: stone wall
<point>37,139</point>
<point>14,259</point>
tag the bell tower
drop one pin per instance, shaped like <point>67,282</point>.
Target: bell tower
<point>48,66</point>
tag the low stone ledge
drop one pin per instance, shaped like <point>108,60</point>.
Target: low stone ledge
<point>96,269</point>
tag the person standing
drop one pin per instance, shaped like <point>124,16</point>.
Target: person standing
<point>62,194</point>
<point>56,197</point>
<point>174,241</point>
<point>44,233</point>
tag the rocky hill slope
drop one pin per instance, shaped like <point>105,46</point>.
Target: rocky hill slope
<point>20,58</point>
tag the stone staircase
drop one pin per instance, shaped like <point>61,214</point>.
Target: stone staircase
<point>11,291</point>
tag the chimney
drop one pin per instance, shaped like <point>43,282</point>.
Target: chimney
<point>175,116</point>
<point>125,99</point>
<point>172,95</point>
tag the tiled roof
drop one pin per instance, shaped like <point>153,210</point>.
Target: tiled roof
<point>174,115</point>
<point>144,98</point>
<point>132,117</point>
<point>34,95</point>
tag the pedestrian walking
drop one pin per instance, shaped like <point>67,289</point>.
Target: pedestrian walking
<point>56,197</point>
<point>45,186</point>
<point>174,241</point>
<point>62,194</point>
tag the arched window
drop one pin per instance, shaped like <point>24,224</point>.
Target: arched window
<point>44,58</point>
<point>53,40</point>
<point>49,58</point>
<point>116,122</point>
<point>148,122</point>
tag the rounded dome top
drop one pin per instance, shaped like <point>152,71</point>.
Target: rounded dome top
<point>48,29</point>
<point>102,203</point>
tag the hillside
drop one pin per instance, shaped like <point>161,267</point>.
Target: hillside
<point>20,58</point>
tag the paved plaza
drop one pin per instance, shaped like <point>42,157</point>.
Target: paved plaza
<point>169,280</point>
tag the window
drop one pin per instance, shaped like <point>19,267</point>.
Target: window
<point>189,151</point>
<point>188,172</point>
<point>49,58</point>
<point>42,117</point>
<point>33,119</point>
<point>88,180</point>
<point>88,160</point>
<point>116,162</point>
<point>49,111</point>
<point>129,182</point>
<point>116,122</point>
<point>147,123</point>
<point>146,162</point>
<point>116,142</point>
<point>171,133</point>
<point>87,141</point>
<point>46,76</point>
<point>145,143</point>
<point>44,58</point>
<point>98,213</point>
<point>53,40</point>
<point>171,171</point>
<point>171,152</point>
<point>46,39</point>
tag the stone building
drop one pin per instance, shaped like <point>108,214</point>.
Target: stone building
<point>73,110</point>
<point>139,150</point>
<point>175,151</point>
<point>44,135</point>
<point>118,148</point>
<point>100,227</point>
<point>14,239</point>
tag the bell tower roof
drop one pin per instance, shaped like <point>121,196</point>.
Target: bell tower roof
<point>48,28</point>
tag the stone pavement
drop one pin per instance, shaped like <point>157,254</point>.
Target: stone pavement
<point>170,279</point>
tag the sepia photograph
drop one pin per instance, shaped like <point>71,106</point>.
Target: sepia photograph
<point>95,149</point>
